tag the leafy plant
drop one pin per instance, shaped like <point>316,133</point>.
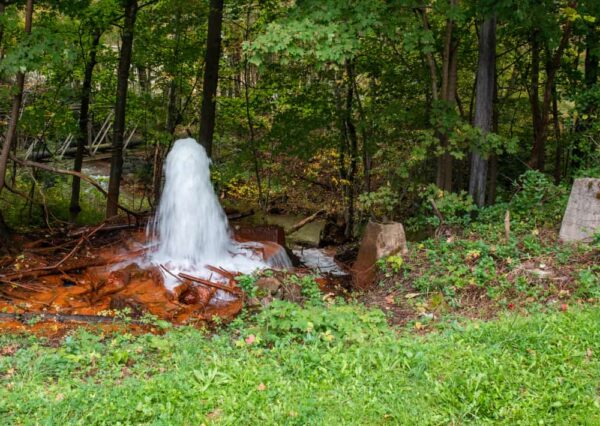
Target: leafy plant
<point>248,284</point>
<point>381,203</point>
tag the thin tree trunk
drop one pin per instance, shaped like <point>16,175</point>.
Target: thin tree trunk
<point>449,83</point>
<point>353,143</point>
<point>252,138</point>
<point>211,75</point>
<point>534,89</point>
<point>493,161</point>
<point>82,139</point>
<point>557,139</point>
<point>173,117</point>
<point>11,131</point>
<point>12,128</point>
<point>343,148</point>
<point>429,56</point>
<point>366,155</point>
<point>116,164</point>
<point>591,73</point>
<point>2,8</point>
<point>484,106</point>
<point>592,57</point>
<point>541,119</point>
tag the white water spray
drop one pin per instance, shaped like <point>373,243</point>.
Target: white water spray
<point>191,225</point>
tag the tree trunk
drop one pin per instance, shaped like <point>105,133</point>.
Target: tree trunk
<point>211,75</point>
<point>557,139</point>
<point>82,139</point>
<point>534,99</point>
<point>484,106</point>
<point>173,117</point>
<point>591,74</point>
<point>116,164</point>
<point>353,143</point>
<point>2,8</point>
<point>448,95</point>
<point>592,57</point>
<point>364,132</point>
<point>11,130</point>
<point>493,161</point>
<point>541,115</point>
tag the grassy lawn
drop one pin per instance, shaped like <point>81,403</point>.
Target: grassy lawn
<point>337,364</point>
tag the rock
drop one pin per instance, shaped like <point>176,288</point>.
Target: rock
<point>582,217</point>
<point>379,240</point>
<point>269,285</point>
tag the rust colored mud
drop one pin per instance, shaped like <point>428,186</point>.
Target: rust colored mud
<point>103,278</point>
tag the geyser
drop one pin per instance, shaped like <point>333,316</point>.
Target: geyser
<point>191,227</point>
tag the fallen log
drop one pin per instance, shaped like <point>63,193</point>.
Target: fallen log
<point>304,222</point>
<point>80,175</point>
<point>108,228</point>
<point>240,215</point>
<point>29,316</point>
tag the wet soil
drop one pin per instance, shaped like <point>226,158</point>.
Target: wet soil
<point>92,278</point>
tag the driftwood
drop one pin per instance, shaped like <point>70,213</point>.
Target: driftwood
<point>80,175</point>
<point>304,222</point>
<point>208,283</point>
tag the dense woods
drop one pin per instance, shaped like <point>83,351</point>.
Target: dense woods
<point>299,212</point>
<point>357,106</point>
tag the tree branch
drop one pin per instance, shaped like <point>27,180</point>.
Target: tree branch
<point>80,175</point>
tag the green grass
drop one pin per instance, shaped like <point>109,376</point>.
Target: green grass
<point>345,367</point>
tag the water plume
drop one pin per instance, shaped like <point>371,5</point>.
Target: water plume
<point>190,225</point>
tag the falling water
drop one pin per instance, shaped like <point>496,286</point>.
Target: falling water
<point>190,224</point>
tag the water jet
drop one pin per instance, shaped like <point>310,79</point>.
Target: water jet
<point>191,229</point>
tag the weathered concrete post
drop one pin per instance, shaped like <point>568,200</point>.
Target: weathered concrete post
<point>379,240</point>
<point>582,217</point>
